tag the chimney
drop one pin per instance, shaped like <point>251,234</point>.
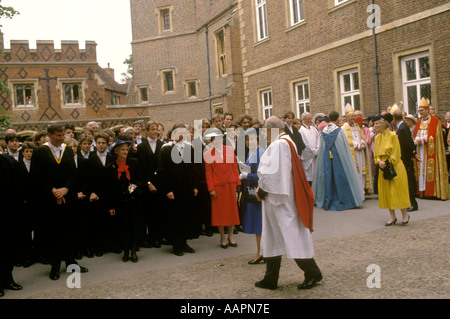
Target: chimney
<point>110,72</point>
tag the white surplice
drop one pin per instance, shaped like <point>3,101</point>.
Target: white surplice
<point>283,232</point>
<point>311,138</point>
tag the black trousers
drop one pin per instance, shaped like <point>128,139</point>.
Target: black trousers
<point>411,185</point>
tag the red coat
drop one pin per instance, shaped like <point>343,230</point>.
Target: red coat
<point>222,176</point>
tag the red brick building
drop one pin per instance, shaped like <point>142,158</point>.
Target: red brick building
<point>265,57</point>
<point>60,85</point>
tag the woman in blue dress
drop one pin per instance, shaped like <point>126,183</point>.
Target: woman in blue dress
<point>252,213</point>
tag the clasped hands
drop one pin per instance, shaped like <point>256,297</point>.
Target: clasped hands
<point>59,194</point>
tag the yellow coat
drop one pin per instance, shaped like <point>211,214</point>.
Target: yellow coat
<point>394,193</point>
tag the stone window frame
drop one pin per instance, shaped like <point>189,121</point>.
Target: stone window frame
<point>13,83</point>
<point>72,81</point>
<point>221,52</point>
<point>164,84</point>
<point>188,84</point>
<point>161,20</point>
<point>147,92</point>
<point>262,106</point>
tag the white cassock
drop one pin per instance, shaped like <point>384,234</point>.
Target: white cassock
<point>311,138</point>
<point>283,232</point>
<point>422,151</point>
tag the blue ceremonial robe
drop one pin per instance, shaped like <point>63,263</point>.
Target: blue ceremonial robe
<point>336,185</point>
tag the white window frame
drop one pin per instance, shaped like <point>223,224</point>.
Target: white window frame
<point>221,53</point>
<point>261,26</point>
<point>412,109</point>
<point>299,12</point>
<point>302,104</point>
<point>266,102</point>
<point>352,92</point>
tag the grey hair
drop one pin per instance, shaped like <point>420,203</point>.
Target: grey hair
<point>274,122</point>
<point>305,114</point>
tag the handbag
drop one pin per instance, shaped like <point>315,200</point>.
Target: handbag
<point>250,196</point>
<point>389,171</point>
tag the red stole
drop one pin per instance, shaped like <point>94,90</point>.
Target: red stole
<point>304,196</point>
<point>430,149</point>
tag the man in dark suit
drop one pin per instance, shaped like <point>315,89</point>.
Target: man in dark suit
<point>408,150</point>
<point>9,190</point>
<point>148,157</point>
<point>179,186</point>
<point>12,141</point>
<point>293,132</point>
<point>53,169</point>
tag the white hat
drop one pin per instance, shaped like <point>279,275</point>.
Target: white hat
<point>212,132</point>
<point>411,117</point>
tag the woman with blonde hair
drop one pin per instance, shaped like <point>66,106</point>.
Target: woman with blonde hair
<point>392,193</point>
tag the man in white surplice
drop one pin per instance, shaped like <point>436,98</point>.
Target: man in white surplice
<point>311,138</point>
<point>283,232</point>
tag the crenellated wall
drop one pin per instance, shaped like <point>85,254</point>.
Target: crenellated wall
<point>45,52</point>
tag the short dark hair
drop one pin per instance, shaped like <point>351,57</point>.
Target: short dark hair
<point>333,116</point>
<point>53,128</point>
<point>28,145</point>
<point>103,135</point>
<point>70,127</point>
<point>289,114</point>
<point>12,137</point>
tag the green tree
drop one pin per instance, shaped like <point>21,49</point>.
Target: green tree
<point>8,13</point>
<point>130,70</point>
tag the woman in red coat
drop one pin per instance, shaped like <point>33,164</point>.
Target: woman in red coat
<point>222,178</point>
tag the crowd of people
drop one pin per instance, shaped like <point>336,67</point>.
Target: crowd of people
<point>105,191</point>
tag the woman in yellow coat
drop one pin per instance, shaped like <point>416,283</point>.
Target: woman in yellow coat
<point>394,193</point>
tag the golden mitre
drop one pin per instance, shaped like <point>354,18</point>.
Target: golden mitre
<point>424,103</point>
<point>394,108</point>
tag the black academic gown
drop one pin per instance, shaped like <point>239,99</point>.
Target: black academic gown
<point>100,225</point>
<point>9,221</point>
<point>153,210</point>
<point>179,176</point>
<point>56,221</point>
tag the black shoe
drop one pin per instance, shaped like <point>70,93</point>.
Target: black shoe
<point>2,293</point>
<point>209,233</point>
<point>134,258</point>
<point>262,284</point>
<point>405,223</point>
<point>177,252</point>
<point>155,244</point>
<point>392,223</point>
<point>78,256</point>
<point>83,269</point>
<point>232,244</point>
<point>27,263</point>
<point>309,283</point>
<point>13,286</point>
<point>223,246</point>
<point>98,253</point>
<point>54,274</point>
<point>188,249</point>
<point>412,209</point>
<point>257,261</point>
